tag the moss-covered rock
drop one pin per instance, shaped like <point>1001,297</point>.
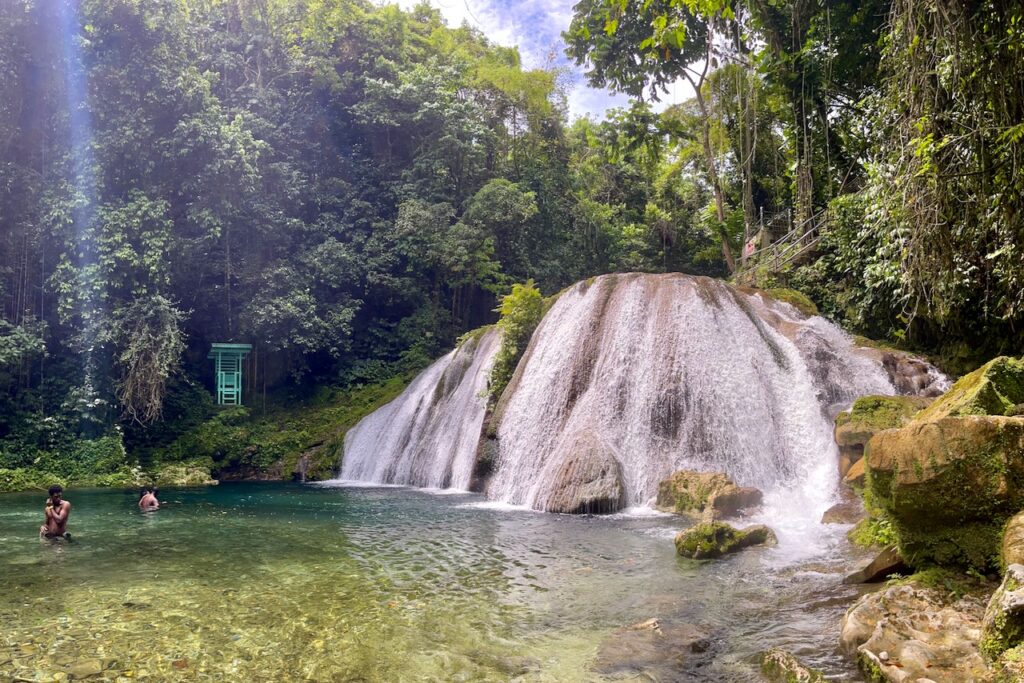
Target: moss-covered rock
<point>1009,668</point>
<point>1003,625</point>
<point>779,666</point>
<point>993,389</point>
<point>713,539</point>
<point>797,300</point>
<point>691,492</point>
<point>868,416</point>
<point>949,485</point>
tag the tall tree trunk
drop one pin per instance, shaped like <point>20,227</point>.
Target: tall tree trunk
<point>709,157</point>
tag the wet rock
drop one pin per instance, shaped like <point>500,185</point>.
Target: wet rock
<point>949,485</point>
<point>911,375</point>
<point>1003,624</point>
<point>846,512</point>
<point>855,476</point>
<point>587,478</point>
<point>868,416</point>
<point>652,648</point>
<point>691,492</point>
<point>992,389</point>
<point>713,539</point>
<point>779,666</point>
<point>1013,541</point>
<point>84,668</point>
<point>920,634</point>
<point>885,564</point>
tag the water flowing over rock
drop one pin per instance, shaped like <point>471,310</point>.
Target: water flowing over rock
<point>674,372</point>
<point>428,435</point>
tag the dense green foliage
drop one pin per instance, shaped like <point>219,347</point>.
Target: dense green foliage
<point>345,186</point>
<point>901,142</point>
<point>350,187</point>
<point>521,311</point>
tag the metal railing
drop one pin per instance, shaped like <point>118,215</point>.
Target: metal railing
<point>771,259</point>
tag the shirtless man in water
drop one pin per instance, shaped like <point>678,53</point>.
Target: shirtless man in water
<point>148,500</point>
<point>57,511</point>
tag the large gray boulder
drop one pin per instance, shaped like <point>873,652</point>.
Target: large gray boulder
<point>587,478</point>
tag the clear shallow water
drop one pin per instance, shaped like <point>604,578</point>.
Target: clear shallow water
<point>271,582</point>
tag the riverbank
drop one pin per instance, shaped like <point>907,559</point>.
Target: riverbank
<point>291,440</point>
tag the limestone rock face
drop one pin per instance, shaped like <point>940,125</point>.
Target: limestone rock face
<point>587,479</point>
<point>779,666</point>
<point>868,416</point>
<point>1013,541</point>
<point>885,564</point>
<point>714,539</point>
<point>690,492</point>
<point>949,485</point>
<point>846,512</point>
<point>1003,624</point>
<point>993,389</point>
<point>906,634</point>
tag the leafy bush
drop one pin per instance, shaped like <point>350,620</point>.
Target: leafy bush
<point>521,311</point>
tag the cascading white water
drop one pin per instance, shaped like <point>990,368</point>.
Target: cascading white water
<point>668,372</point>
<point>428,436</point>
<point>629,378</point>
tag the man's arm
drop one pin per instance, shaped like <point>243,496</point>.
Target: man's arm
<point>62,514</point>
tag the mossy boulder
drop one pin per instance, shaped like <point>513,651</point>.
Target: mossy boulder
<point>797,300</point>
<point>714,539</point>
<point>1003,625</point>
<point>948,486</point>
<point>1009,668</point>
<point>691,492</point>
<point>779,666</point>
<point>995,388</point>
<point>868,416</point>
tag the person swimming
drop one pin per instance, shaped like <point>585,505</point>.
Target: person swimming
<point>148,499</point>
<point>57,510</point>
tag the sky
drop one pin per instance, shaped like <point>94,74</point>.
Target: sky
<point>535,27</point>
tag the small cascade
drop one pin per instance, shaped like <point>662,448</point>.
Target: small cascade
<point>632,377</point>
<point>428,436</point>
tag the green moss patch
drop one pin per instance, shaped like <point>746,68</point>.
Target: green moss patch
<point>713,539</point>
<point>797,300</point>
<point>995,388</point>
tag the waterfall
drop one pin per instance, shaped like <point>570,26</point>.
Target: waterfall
<point>657,373</point>
<point>629,378</point>
<point>428,436</point>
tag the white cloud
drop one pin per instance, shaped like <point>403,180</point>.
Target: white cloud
<point>535,27</point>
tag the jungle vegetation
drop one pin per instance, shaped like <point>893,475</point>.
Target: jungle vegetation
<point>350,187</point>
